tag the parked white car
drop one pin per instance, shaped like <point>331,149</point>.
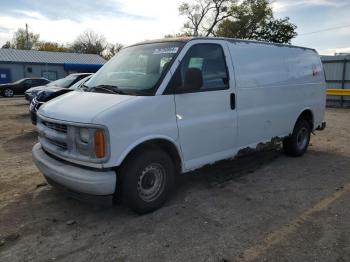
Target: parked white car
<point>166,107</point>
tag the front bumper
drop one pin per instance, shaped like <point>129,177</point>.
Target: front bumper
<point>75,178</point>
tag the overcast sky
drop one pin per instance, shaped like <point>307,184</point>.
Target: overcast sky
<point>130,21</point>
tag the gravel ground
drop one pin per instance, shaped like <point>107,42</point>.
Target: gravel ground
<point>261,207</point>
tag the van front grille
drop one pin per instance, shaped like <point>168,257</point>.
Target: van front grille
<point>62,128</point>
<point>53,136</point>
<point>58,144</point>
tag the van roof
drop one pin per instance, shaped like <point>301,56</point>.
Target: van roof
<point>190,38</point>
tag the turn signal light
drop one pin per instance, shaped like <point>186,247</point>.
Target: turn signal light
<point>100,146</point>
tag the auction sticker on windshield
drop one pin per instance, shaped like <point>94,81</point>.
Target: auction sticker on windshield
<point>166,50</point>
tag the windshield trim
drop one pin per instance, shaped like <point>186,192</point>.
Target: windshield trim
<point>155,88</point>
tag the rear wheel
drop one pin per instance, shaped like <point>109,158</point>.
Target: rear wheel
<point>147,178</point>
<point>297,143</point>
<point>8,92</point>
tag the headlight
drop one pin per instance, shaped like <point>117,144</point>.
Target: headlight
<point>84,135</point>
<point>91,142</point>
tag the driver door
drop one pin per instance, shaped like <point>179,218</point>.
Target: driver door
<point>206,115</point>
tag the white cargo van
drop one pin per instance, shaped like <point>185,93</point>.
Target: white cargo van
<point>170,106</point>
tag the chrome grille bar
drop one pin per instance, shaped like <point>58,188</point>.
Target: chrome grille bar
<point>55,126</point>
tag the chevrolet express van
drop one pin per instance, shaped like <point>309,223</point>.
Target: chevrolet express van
<point>165,107</point>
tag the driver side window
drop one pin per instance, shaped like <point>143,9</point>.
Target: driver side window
<point>202,69</point>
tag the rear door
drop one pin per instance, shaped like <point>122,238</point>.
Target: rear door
<point>206,117</point>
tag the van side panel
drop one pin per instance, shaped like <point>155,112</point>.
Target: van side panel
<point>305,90</point>
<point>274,85</point>
<point>250,104</point>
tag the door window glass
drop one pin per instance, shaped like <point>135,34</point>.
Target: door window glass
<point>208,60</point>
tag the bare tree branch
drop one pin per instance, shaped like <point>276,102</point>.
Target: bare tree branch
<point>204,12</point>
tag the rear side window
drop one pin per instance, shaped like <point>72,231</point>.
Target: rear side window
<point>28,82</point>
<point>209,59</point>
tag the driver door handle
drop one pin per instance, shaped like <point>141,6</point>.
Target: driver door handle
<point>233,101</point>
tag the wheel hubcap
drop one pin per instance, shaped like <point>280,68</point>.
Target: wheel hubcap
<point>151,182</point>
<point>8,92</point>
<point>302,138</point>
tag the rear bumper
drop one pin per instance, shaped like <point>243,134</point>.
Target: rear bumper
<point>77,179</point>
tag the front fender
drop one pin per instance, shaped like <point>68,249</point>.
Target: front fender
<point>145,139</point>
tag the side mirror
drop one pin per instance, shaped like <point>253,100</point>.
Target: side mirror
<point>193,81</point>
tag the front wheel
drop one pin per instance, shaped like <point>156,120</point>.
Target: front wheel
<point>147,178</point>
<point>297,143</point>
<point>8,92</point>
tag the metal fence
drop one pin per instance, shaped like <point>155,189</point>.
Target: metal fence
<point>337,70</point>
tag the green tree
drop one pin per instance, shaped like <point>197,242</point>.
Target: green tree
<point>19,40</point>
<point>51,46</point>
<point>178,35</point>
<point>278,31</point>
<point>7,45</point>
<point>249,19</point>
<point>253,19</point>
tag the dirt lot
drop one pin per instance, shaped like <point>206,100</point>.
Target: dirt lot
<point>262,207</point>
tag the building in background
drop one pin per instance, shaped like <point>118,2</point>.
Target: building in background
<point>337,70</point>
<point>16,64</point>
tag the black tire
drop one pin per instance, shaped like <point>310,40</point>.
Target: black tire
<point>8,92</point>
<point>297,143</point>
<point>141,172</point>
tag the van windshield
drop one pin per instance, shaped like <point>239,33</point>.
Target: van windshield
<point>135,70</point>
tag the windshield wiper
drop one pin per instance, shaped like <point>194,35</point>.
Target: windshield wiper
<point>82,87</point>
<point>116,90</point>
<point>109,88</point>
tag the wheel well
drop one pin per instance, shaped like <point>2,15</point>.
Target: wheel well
<point>308,116</point>
<point>163,144</point>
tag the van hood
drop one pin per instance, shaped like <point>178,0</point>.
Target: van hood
<point>81,107</point>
